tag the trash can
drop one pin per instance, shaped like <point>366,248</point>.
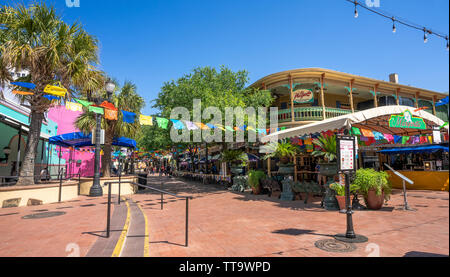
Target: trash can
<point>142,180</point>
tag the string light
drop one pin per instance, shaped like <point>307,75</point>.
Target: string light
<point>426,31</point>
<point>394,29</point>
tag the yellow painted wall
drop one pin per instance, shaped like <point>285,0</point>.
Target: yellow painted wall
<point>423,180</point>
<point>48,194</point>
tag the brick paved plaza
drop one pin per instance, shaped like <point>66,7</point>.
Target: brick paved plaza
<point>224,224</point>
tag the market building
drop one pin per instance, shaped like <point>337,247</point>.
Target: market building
<point>314,101</point>
<point>309,95</point>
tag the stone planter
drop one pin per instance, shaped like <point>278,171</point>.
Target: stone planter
<point>237,170</point>
<point>286,169</point>
<point>328,169</point>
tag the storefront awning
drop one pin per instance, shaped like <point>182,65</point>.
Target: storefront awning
<point>83,140</point>
<point>415,150</point>
<point>376,119</point>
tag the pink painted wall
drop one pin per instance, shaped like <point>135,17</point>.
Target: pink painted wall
<point>66,124</point>
<point>65,119</point>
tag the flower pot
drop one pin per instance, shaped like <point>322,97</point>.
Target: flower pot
<point>341,201</point>
<point>256,190</point>
<point>374,201</point>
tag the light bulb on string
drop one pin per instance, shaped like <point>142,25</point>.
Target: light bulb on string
<point>394,28</point>
<point>356,10</point>
<point>425,37</point>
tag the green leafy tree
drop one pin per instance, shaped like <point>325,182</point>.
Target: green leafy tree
<point>215,88</point>
<point>34,38</point>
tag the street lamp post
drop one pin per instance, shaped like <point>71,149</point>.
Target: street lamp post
<point>96,190</point>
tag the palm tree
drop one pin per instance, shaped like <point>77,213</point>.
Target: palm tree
<point>127,100</point>
<point>35,39</point>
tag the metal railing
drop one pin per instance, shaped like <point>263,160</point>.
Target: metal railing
<point>47,177</point>
<point>404,179</point>
<point>108,222</point>
<point>310,114</point>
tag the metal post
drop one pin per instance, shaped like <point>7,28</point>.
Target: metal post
<point>187,220</point>
<point>79,183</point>
<point>60,186</point>
<point>350,232</point>
<point>162,194</point>
<point>405,198</point>
<point>108,222</point>
<point>18,151</point>
<point>119,192</point>
<point>59,161</point>
<point>96,189</point>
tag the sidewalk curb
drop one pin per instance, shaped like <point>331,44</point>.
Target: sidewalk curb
<point>123,236</point>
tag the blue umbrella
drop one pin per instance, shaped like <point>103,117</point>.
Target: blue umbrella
<point>442,102</point>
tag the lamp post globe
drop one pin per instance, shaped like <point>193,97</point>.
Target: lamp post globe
<point>110,87</point>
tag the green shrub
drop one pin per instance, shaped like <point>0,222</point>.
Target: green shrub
<point>340,189</point>
<point>369,179</point>
<point>254,176</point>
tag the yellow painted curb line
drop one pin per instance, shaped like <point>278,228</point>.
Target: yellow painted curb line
<point>146,239</point>
<point>123,235</point>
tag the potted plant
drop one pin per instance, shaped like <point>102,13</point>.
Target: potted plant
<point>254,180</point>
<point>284,151</point>
<point>340,194</point>
<point>374,186</point>
<point>327,154</point>
<point>237,160</point>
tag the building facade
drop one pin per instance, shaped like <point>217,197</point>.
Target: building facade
<point>309,95</point>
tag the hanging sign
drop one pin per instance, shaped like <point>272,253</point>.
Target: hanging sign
<point>407,121</point>
<point>346,153</point>
<point>302,96</point>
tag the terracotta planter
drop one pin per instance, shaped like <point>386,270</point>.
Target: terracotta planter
<point>373,201</point>
<point>341,201</point>
<point>256,190</point>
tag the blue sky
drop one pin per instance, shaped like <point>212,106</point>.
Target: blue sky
<point>150,42</point>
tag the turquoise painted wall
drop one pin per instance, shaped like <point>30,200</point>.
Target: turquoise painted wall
<point>9,138</point>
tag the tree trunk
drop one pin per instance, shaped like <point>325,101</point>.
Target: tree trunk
<point>106,159</point>
<point>26,175</point>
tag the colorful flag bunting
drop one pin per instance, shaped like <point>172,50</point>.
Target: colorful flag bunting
<point>146,120</point>
<point>22,92</point>
<point>128,117</point>
<point>111,114</point>
<point>84,103</point>
<point>367,133</point>
<point>96,110</point>
<point>75,107</point>
<point>162,122</point>
<point>191,126</point>
<point>177,124</point>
